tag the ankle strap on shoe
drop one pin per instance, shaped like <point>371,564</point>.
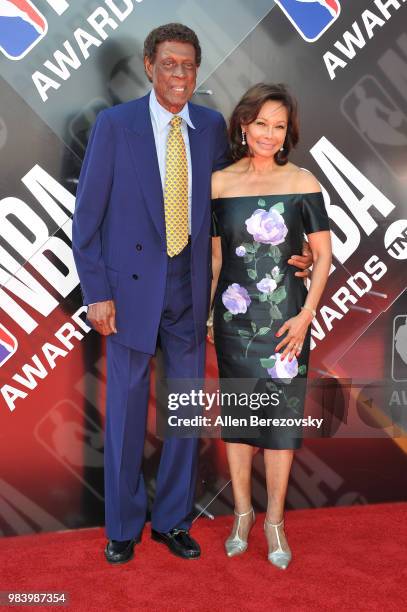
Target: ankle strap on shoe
<point>243,513</point>
<point>266,522</point>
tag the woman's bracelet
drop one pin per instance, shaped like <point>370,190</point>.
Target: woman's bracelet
<point>311,310</point>
<point>209,322</point>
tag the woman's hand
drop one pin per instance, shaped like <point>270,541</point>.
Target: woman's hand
<point>296,329</point>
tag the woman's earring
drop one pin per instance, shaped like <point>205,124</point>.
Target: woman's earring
<point>281,148</point>
<point>243,137</point>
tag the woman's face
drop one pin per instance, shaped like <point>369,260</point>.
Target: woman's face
<point>266,134</point>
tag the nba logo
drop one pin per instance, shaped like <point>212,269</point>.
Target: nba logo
<point>8,345</point>
<point>21,27</point>
<point>311,18</point>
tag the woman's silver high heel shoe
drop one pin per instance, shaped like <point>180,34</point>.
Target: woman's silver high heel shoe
<point>279,553</point>
<point>236,545</point>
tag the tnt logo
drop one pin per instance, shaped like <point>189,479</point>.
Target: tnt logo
<point>8,345</point>
<point>21,27</point>
<point>311,18</point>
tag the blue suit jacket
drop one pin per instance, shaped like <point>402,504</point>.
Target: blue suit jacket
<point>119,242</point>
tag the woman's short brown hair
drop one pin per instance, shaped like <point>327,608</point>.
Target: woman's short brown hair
<point>248,108</point>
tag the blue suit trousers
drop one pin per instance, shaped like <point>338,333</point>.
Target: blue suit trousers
<point>128,383</point>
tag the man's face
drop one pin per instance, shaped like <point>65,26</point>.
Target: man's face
<point>173,74</point>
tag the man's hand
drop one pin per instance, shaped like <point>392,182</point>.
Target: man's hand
<point>102,316</point>
<point>303,261</point>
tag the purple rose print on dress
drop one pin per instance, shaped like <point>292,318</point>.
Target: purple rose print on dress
<point>236,299</point>
<point>283,369</point>
<point>240,251</point>
<point>267,227</point>
<point>266,285</point>
<point>275,271</point>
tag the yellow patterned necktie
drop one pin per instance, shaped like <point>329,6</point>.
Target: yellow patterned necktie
<point>176,190</point>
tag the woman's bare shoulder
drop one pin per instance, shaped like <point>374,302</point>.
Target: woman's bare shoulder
<point>305,181</point>
<point>216,183</point>
<point>221,178</point>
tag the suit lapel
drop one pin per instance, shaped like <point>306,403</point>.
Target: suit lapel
<point>140,138</point>
<point>197,144</point>
<point>141,142</point>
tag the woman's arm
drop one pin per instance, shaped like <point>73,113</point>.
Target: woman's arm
<point>320,243</point>
<point>216,254</point>
<point>296,327</point>
<point>216,266</point>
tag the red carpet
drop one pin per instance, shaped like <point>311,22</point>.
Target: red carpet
<point>344,558</point>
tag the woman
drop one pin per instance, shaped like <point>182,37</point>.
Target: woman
<point>262,206</point>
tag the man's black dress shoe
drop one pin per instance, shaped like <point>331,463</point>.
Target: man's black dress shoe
<point>179,542</point>
<point>119,552</point>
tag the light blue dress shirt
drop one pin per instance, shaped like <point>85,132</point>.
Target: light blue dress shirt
<point>160,119</point>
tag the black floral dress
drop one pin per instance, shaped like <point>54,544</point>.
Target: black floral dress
<point>257,291</point>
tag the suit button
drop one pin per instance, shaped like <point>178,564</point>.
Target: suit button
<point>138,247</point>
<point>135,276</point>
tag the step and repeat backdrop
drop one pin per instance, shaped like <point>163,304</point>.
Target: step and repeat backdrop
<point>61,62</point>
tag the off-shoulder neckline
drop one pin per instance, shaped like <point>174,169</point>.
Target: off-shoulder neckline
<point>268,195</point>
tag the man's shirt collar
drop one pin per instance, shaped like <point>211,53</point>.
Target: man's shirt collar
<point>162,116</point>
